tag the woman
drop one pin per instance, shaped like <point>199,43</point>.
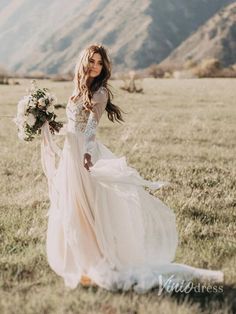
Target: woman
<point>104,228</point>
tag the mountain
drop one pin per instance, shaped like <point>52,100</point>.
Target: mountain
<point>47,35</point>
<point>215,39</point>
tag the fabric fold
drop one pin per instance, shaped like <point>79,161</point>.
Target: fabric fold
<point>49,151</point>
<point>108,171</point>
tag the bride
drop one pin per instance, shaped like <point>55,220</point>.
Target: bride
<point>104,228</point>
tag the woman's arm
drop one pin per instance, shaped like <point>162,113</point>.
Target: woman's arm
<point>99,102</point>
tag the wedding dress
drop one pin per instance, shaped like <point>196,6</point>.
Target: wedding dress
<point>102,223</point>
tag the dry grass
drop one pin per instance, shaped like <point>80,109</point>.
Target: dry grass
<point>182,131</point>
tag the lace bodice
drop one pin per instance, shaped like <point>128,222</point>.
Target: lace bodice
<point>77,117</point>
<point>84,121</point>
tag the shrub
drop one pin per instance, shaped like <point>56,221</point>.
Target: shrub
<point>208,68</point>
<point>3,76</point>
<point>155,71</point>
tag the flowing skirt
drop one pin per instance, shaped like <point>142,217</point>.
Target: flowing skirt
<point>103,224</point>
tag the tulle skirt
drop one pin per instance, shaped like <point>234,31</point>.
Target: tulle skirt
<point>103,224</point>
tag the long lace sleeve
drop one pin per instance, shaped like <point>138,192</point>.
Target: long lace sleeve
<point>99,101</point>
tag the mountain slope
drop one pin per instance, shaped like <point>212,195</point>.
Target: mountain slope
<point>48,35</point>
<point>215,39</point>
<point>173,21</point>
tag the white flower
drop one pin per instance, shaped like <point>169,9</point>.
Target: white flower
<point>31,119</point>
<point>32,104</point>
<point>50,109</point>
<point>53,99</point>
<point>41,102</point>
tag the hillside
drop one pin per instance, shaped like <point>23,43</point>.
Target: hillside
<point>215,39</point>
<point>48,35</point>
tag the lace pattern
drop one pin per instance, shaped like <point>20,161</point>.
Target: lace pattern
<point>91,126</point>
<point>90,133</point>
<point>77,117</point>
<point>80,120</point>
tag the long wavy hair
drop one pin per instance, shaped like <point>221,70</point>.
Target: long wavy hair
<point>81,79</point>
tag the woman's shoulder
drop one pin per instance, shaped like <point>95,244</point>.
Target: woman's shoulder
<point>102,90</point>
<point>101,95</point>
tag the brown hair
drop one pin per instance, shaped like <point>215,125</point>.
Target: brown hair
<point>82,76</point>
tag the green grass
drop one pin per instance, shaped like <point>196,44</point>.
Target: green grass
<point>182,131</point>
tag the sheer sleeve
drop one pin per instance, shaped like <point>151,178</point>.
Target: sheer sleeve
<point>99,101</point>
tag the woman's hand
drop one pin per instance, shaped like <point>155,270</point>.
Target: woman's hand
<point>87,161</point>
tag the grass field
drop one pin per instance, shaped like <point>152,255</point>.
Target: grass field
<point>182,131</point>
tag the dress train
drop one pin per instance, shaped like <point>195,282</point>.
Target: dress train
<point>103,224</point>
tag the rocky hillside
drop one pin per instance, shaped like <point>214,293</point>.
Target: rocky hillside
<point>47,35</point>
<point>215,39</point>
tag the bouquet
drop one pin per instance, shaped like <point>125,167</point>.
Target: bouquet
<point>33,111</point>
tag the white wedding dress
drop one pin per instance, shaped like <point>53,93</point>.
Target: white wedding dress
<point>102,223</point>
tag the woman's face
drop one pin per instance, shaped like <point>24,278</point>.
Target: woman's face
<point>95,65</point>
